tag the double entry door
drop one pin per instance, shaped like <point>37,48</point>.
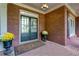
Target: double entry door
<point>29,28</point>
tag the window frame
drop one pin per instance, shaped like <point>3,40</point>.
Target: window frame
<point>71,25</point>
<point>21,29</point>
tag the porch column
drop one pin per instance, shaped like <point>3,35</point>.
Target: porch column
<point>3,20</point>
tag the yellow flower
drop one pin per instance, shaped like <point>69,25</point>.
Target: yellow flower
<point>7,36</point>
<point>44,33</point>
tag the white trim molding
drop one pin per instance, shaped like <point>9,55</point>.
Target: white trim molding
<point>37,10</point>
<point>3,17</point>
<point>24,12</point>
<point>72,10</point>
<point>29,7</point>
<point>27,13</point>
<point>63,4</point>
<point>3,21</point>
<point>56,7</point>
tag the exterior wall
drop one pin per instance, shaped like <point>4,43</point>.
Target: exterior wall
<point>69,40</point>
<point>55,25</point>
<point>41,24</point>
<point>77,26</point>
<point>54,22</point>
<point>13,21</point>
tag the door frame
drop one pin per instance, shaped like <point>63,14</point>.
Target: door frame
<point>71,19</point>
<point>20,30</point>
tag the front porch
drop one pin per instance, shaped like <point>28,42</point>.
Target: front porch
<point>27,23</point>
<point>50,49</point>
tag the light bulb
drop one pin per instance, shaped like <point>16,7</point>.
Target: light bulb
<point>44,6</point>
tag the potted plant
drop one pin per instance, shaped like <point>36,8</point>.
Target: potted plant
<point>7,42</point>
<point>44,35</point>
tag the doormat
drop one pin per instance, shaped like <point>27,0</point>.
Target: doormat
<point>26,47</point>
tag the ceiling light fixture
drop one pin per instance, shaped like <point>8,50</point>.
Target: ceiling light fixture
<point>44,6</point>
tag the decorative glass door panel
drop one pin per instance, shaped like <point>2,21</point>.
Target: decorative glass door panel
<point>24,28</point>
<point>28,28</point>
<point>34,28</point>
<point>71,25</point>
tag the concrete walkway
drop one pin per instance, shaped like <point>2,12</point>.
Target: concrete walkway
<point>49,49</point>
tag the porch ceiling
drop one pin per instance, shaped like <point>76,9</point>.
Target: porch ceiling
<point>74,6</point>
<point>38,5</point>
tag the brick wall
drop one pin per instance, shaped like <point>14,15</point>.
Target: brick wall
<point>69,39</point>
<point>77,26</point>
<point>54,22</point>
<point>13,21</point>
<point>55,25</point>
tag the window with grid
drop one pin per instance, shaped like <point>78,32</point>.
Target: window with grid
<point>29,27</point>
